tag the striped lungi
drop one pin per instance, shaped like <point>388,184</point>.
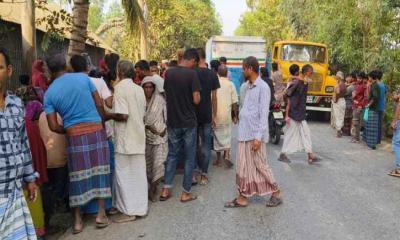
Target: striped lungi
<point>156,155</point>
<point>370,134</point>
<point>89,168</point>
<point>15,219</point>
<point>253,175</point>
<point>348,117</point>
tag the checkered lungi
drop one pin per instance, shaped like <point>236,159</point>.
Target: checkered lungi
<point>370,134</point>
<point>15,219</point>
<point>89,168</point>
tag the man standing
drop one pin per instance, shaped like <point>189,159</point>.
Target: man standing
<point>74,97</point>
<point>227,101</point>
<point>142,69</point>
<point>297,134</point>
<point>130,181</point>
<point>381,103</point>
<point>182,90</point>
<point>206,114</point>
<point>279,85</point>
<point>358,106</point>
<point>15,162</point>
<point>253,175</point>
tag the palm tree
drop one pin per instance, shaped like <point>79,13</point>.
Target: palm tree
<point>80,12</point>
<point>135,12</point>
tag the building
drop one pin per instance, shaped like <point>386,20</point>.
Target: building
<point>11,37</point>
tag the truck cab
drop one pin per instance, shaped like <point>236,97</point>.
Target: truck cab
<point>320,91</point>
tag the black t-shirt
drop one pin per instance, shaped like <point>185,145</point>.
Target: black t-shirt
<point>179,85</point>
<point>297,93</point>
<point>209,81</point>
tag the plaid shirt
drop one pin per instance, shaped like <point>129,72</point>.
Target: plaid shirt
<point>15,156</point>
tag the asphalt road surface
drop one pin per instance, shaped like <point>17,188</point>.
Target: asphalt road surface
<point>347,196</point>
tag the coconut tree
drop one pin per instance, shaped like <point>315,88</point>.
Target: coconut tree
<point>80,12</point>
<point>136,12</point>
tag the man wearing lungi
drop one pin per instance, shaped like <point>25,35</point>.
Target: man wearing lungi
<point>15,163</point>
<point>297,134</point>
<point>75,98</point>
<point>253,175</point>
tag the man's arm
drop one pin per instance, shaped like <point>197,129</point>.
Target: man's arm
<point>99,105</point>
<point>214,105</point>
<point>109,102</point>
<point>196,98</point>
<point>396,117</point>
<point>54,125</point>
<point>235,111</point>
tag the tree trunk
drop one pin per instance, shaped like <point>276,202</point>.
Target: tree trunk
<point>80,13</point>
<point>28,31</point>
<point>143,31</point>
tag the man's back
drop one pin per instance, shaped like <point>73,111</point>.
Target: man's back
<point>209,82</point>
<point>226,96</point>
<point>297,93</point>
<point>71,96</point>
<point>179,85</point>
<point>129,99</point>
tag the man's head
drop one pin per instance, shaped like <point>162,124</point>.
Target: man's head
<point>307,70</point>
<point>56,65</point>
<point>250,68</point>
<point>361,76</point>
<point>274,66</point>
<point>153,63</point>
<point>214,64</point>
<point>340,76</point>
<point>223,60</point>
<point>380,74</point>
<point>191,58</point>
<point>202,54</point>
<point>142,69</point>
<point>125,69</point>
<point>78,64</point>
<point>349,79</point>
<point>294,70</point>
<point>173,63</point>
<point>222,71</point>
<point>5,69</point>
<point>264,73</point>
<point>373,76</point>
<point>155,70</point>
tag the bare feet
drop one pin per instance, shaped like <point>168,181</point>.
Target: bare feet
<point>78,227</point>
<point>217,163</point>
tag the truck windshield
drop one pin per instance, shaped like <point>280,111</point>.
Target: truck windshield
<point>303,53</point>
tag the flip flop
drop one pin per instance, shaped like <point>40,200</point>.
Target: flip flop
<point>394,173</point>
<point>102,224</point>
<point>274,201</point>
<point>234,204</point>
<point>192,198</point>
<point>228,163</point>
<point>165,198</point>
<point>125,219</point>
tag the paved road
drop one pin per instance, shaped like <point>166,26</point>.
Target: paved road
<point>347,196</point>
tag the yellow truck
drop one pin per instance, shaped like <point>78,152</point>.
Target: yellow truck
<point>320,91</point>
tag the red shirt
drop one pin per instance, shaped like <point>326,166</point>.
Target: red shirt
<point>359,98</point>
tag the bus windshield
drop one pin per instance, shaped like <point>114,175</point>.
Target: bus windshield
<point>303,53</point>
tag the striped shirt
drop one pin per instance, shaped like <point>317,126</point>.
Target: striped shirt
<point>15,155</point>
<point>253,116</point>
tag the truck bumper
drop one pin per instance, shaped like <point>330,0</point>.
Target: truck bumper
<point>318,109</point>
<point>319,103</point>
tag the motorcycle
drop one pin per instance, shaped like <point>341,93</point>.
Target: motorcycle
<point>276,121</point>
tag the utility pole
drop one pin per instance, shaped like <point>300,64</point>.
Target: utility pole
<point>28,31</point>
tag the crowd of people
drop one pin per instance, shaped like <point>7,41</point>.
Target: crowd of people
<point>106,140</point>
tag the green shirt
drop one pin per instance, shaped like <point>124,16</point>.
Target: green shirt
<point>374,94</point>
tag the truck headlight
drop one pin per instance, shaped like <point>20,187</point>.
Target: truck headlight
<point>329,89</point>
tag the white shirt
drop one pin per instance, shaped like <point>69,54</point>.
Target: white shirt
<point>129,99</point>
<point>104,93</point>
<point>159,82</point>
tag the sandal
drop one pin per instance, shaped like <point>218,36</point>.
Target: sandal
<point>274,201</point>
<point>125,218</point>
<point>100,224</point>
<point>355,140</point>
<point>394,173</point>
<point>191,198</point>
<point>234,204</point>
<point>228,163</point>
<point>284,158</point>
<point>204,180</point>
<point>314,160</point>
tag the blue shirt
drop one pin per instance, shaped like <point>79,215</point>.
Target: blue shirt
<point>253,117</point>
<point>71,96</point>
<point>15,155</point>
<point>382,99</point>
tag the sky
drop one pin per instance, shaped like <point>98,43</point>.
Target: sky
<point>230,12</point>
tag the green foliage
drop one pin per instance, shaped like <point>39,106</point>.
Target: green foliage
<point>96,14</point>
<point>360,34</point>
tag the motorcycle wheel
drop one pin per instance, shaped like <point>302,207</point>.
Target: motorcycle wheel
<point>276,137</point>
